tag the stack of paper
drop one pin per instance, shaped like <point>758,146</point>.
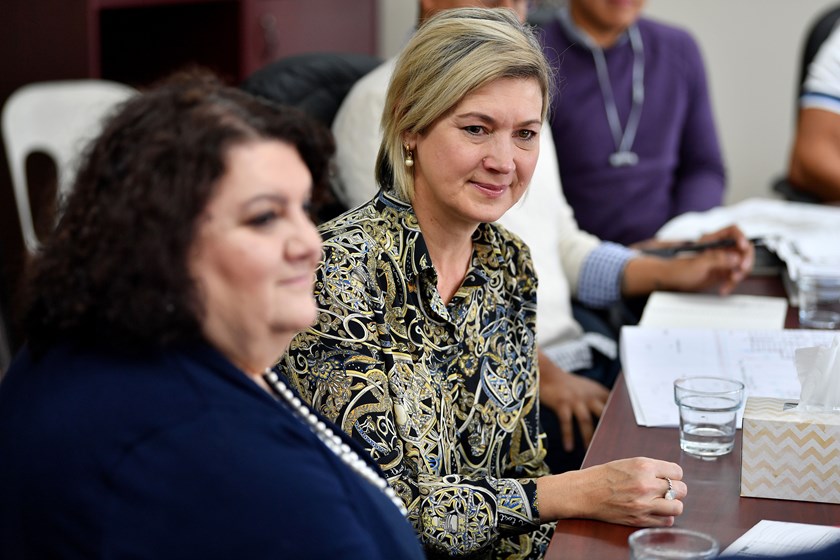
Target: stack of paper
<point>757,217</point>
<point>653,357</point>
<point>779,538</point>
<point>668,309</point>
<point>800,234</point>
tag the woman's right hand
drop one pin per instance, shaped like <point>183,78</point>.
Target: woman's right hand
<point>627,491</point>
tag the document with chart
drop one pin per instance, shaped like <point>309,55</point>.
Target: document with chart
<point>652,358</point>
<point>779,538</point>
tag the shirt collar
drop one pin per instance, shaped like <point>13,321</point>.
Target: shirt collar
<point>487,256</point>
<point>487,259</point>
<point>418,261</point>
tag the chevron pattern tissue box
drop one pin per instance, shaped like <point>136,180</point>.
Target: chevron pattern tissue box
<point>788,454</point>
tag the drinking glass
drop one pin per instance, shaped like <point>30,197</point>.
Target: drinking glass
<point>671,543</point>
<point>708,412</point>
<point>819,300</point>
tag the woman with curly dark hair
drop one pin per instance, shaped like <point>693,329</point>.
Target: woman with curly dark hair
<point>140,421</point>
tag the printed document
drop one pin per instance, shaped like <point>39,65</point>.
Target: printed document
<point>802,235</point>
<point>780,538</point>
<point>652,358</point>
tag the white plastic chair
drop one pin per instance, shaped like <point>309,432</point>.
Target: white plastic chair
<point>57,118</point>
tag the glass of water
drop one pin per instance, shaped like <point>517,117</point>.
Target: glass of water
<point>819,299</point>
<point>708,412</point>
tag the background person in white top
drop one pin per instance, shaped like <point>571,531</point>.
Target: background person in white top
<point>815,159</point>
<point>569,262</point>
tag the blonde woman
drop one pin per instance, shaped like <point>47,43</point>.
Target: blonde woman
<point>425,347</point>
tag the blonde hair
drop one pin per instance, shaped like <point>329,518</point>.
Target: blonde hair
<point>453,53</point>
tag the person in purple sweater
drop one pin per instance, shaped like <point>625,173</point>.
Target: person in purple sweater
<point>632,120</point>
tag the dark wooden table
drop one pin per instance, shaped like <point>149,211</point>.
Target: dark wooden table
<point>713,504</point>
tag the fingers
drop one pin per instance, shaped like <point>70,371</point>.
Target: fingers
<point>597,407</point>
<point>663,509</point>
<point>571,397</point>
<point>729,232</point>
<point>722,267</point>
<point>675,490</point>
<point>666,486</point>
<point>742,254</point>
<point>662,513</point>
<point>666,502</point>
<point>566,428</point>
<point>654,521</point>
<point>626,491</point>
<point>733,268</point>
<point>667,469</point>
<point>669,503</point>
<point>585,414</point>
<point>585,423</point>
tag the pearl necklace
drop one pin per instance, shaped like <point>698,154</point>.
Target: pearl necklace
<point>330,439</point>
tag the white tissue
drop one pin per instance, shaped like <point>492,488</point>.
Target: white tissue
<point>818,369</point>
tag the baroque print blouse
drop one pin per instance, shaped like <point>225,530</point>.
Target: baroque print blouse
<point>443,396</point>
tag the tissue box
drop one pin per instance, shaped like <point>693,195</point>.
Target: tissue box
<point>788,454</point>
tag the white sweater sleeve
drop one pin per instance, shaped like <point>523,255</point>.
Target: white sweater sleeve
<point>357,133</point>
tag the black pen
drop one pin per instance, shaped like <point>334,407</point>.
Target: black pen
<point>692,247</point>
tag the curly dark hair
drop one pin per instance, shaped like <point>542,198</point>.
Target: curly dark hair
<point>115,268</point>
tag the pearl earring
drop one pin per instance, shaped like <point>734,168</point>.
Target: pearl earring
<point>409,159</point>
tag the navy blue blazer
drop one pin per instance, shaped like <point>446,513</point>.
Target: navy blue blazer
<point>173,454</point>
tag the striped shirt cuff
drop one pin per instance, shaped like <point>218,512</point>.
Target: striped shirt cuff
<point>600,277</point>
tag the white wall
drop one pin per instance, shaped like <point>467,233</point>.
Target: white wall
<point>396,20</point>
<point>752,50</point>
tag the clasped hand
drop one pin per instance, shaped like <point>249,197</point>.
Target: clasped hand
<point>723,267</point>
<point>627,491</point>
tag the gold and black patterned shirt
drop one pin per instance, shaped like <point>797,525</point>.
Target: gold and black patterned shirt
<point>443,396</point>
